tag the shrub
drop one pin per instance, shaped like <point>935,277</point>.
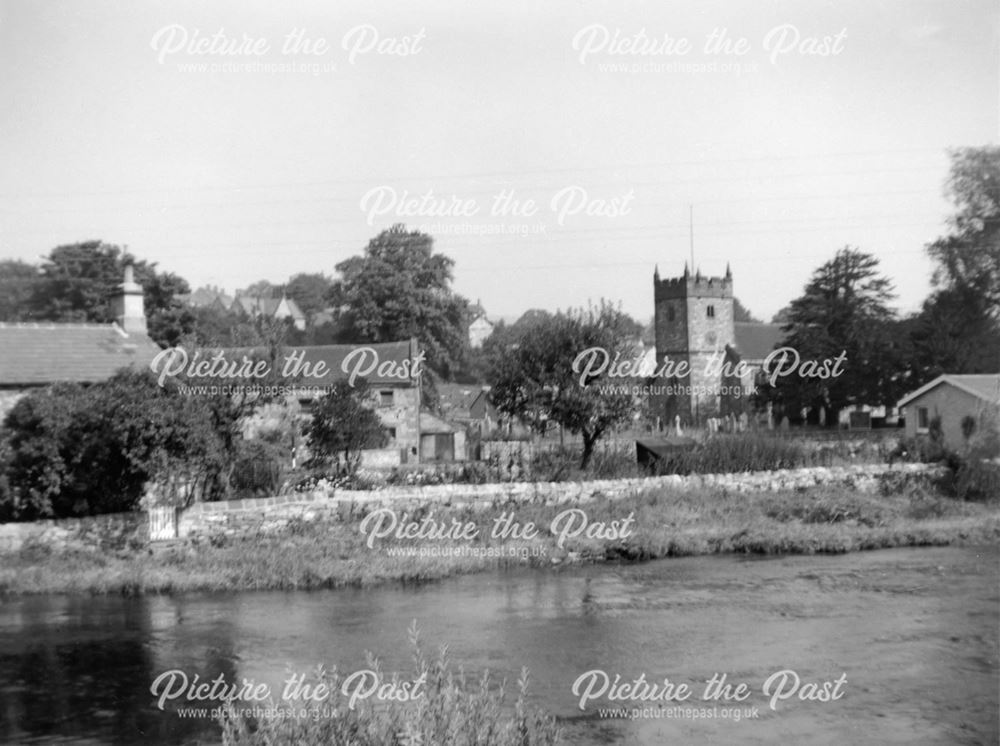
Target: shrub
<point>76,450</point>
<point>452,710</point>
<point>260,467</point>
<point>342,426</point>
<point>726,454</point>
<point>977,479</point>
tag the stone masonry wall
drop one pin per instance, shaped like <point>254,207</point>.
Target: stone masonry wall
<point>274,514</point>
<point>266,515</point>
<point>110,533</point>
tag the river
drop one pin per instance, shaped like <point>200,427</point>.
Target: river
<point>913,633</point>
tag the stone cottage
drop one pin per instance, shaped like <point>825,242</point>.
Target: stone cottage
<point>35,355</point>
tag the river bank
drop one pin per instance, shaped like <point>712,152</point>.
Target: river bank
<point>433,543</point>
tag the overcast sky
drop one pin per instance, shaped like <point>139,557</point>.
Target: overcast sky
<point>252,161</point>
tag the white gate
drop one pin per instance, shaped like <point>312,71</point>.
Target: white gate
<point>162,524</point>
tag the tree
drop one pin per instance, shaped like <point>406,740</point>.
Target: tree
<point>309,291</point>
<point>958,328</point>
<point>75,450</point>
<point>953,333</point>
<point>741,314</point>
<point>78,282</point>
<point>17,285</point>
<point>534,379</point>
<point>969,256</point>
<point>342,425</point>
<point>401,289</point>
<point>844,309</point>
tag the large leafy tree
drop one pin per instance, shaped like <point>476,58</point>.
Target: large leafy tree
<point>17,286</point>
<point>309,291</point>
<point>969,256</point>
<point>78,282</point>
<point>84,450</point>
<point>398,289</point>
<point>343,425</point>
<point>534,380</point>
<point>844,309</point>
<point>958,328</point>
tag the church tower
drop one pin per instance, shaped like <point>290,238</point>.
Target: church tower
<point>693,322</point>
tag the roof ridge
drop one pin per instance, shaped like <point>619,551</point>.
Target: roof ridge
<point>55,325</point>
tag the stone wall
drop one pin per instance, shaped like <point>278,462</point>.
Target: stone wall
<point>113,532</point>
<point>276,514</point>
<point>265,515</point>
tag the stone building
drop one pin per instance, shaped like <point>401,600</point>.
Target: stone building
<point>35,355</point>
<point>698,339</point>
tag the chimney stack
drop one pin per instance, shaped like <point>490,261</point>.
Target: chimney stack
<point>130,312</point>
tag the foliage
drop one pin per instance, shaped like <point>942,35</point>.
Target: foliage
<point>309,291</point>
<point>958,328</point>
<point>969,256</point>
<point>742,314</point>
<point>401,289</point>
<point>533,376</point>
<point>954,332</point>
<point>17,286</point>
<point>843,309</point>
<point>451,710</point>
<point>77,282</point>
<point>725,454</point>
<point>77,450</point>
<point>260,468</point>
<point>343,425</point>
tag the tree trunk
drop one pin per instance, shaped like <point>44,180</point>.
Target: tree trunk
<point>588,448</point>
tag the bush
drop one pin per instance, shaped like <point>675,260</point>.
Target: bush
<point>76,450</point>
<point>452,710</point>
<point>977,479</point>
<point>727,454</point>
<point>259,469</point>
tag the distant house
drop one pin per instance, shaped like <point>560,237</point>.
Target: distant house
<point>272,308</point>
<point>414,435</point>
<point>480,327</point>
<point>468,405</point>
<point>39,354</point>
<point>208,296</point>
<point>960,404</point>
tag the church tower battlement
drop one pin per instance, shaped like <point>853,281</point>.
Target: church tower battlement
<point>693,322</point>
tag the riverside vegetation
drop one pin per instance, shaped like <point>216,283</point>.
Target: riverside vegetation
<point>451,710</point>
<point>331,553</point>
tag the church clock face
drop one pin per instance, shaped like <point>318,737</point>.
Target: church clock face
<point>711,339</point>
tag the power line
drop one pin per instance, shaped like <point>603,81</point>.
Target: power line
<point>483,174</point>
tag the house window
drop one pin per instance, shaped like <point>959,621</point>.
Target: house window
<point>711,312</point>
<point>385,398</point>
<point>670,313</point>
<point>923,419</point>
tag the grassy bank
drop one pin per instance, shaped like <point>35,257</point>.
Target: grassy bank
<point>330,554</point>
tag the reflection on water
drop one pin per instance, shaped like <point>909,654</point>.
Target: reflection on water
<point>914,630</point>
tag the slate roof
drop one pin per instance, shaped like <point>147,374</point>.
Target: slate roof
<point>984,386</point>
<point>44,353</point>
<point>333,356</point>
<point>756,341</point>
<point>457,398</point>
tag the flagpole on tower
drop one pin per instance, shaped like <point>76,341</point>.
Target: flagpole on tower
<point>691,231</point>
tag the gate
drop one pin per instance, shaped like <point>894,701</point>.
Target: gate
<point>162,524</point>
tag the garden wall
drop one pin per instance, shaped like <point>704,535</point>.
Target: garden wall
<point>266,515</point>
<point>110,533</point>
<point>274,514</point>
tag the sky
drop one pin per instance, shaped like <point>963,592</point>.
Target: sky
<point>556,151</point>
